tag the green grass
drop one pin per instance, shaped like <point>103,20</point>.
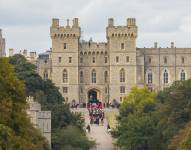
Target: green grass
<point>111,118</point>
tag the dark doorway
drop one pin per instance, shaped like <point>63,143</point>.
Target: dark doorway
<point>92,96</point>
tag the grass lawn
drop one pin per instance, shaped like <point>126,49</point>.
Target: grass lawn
<point>111,118</point>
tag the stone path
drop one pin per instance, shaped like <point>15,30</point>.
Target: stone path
<point>98,133</point>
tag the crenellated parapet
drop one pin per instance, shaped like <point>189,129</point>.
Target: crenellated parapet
<point>68,31</point>
<point>127,31</point>
<point>93,48</point>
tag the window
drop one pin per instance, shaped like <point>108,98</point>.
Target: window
<point>66,99</point>
<point>122,46</point>
<point>165,60</point>
<point>165,77</point>
<point>105,59</point>
<point>70,59</point>
<point>45,75</point>
<point>93,60</point>
<point>149,60</point>
<point>105,76</point>
<point>150,78</point>
<point>127,59</point>
<point>65,46</point>
<point>122,75</point>
<point>121,99</point>
<point>81,60</point>
<point>81,77</point>
<point>122,89</point>
<point>81,90</point>
<point>45,61</point>
<point>117,59</point>
<point>59,59</point>
<point>93,76</point>
<point>65,76</point>
<point>65,89</point>
<point>105,89</point>
<point>182,75</point>
<point>182,59</point>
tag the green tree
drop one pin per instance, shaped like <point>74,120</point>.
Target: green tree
<point>138,100</point>
<point>16,131</point>
<point>137,128</point>
<point>71,138</point>
<point>50,98</point>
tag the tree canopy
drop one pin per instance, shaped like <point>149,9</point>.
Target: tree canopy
<point>48,95</point>
<point>16,131</point>
<point>150,121</point>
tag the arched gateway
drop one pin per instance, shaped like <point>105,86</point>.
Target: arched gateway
<point>93,95</point>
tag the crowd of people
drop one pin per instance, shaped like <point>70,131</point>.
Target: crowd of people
<point>96,113</point>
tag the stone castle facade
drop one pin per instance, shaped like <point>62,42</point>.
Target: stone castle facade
<point>40,119</point>
<point>2,45</point>
<point>107,71</point>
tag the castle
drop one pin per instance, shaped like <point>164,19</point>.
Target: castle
<point>107,71</point>
<point>40,119</point>
<point>2,45</point>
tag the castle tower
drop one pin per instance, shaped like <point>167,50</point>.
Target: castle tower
<point>2,45</point>
<point>122,50</point>
<point>65,49</point>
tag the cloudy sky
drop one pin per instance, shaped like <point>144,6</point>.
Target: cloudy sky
<point>26,23</point>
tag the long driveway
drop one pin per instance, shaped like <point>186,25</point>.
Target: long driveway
<point>98,133</point>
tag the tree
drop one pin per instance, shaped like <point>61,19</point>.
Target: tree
<point>138,100</point>
<point>50,98</point>
<point>72,138</point>
<point>44,91</point>
<point>137,128</point>
<point>16,131</point>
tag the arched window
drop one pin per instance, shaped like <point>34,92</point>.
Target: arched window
<point>105,76</point>
<point>182,75</point>
<point>150,78</point>
<point>93,76</point>
<point>165,77</point>
<point>45,75</point>
<point>65,76</point>
<point>122,75</point>
<point>81,77</point>
<point>165,60</point>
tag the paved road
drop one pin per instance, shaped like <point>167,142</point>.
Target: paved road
<point>99,133</point>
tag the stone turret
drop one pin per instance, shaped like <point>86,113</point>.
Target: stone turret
<point>2,45</point>
<point>65,52</point>
<point>127,31</point>
<point>55,23</point>
<point>110,22</point>
<point>131,22</point>
<point>57,31</point>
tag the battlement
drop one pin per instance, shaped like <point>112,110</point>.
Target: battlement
<point>57,31</point>
<point>127,31</point>
<point>92,48</point>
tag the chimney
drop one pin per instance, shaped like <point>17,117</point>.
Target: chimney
<point>68,23</point>
<point>172,44</point>
<point>0,33</point>
<point>155,44</point>
<point>11,52</point>
<point>110,22</point>
<point>75,22</point>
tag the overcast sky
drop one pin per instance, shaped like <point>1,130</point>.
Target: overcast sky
<point>26,23</point>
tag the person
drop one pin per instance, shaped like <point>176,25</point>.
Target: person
<point>108,128</point>
<point>102,120</point>
<point>88,128</point>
